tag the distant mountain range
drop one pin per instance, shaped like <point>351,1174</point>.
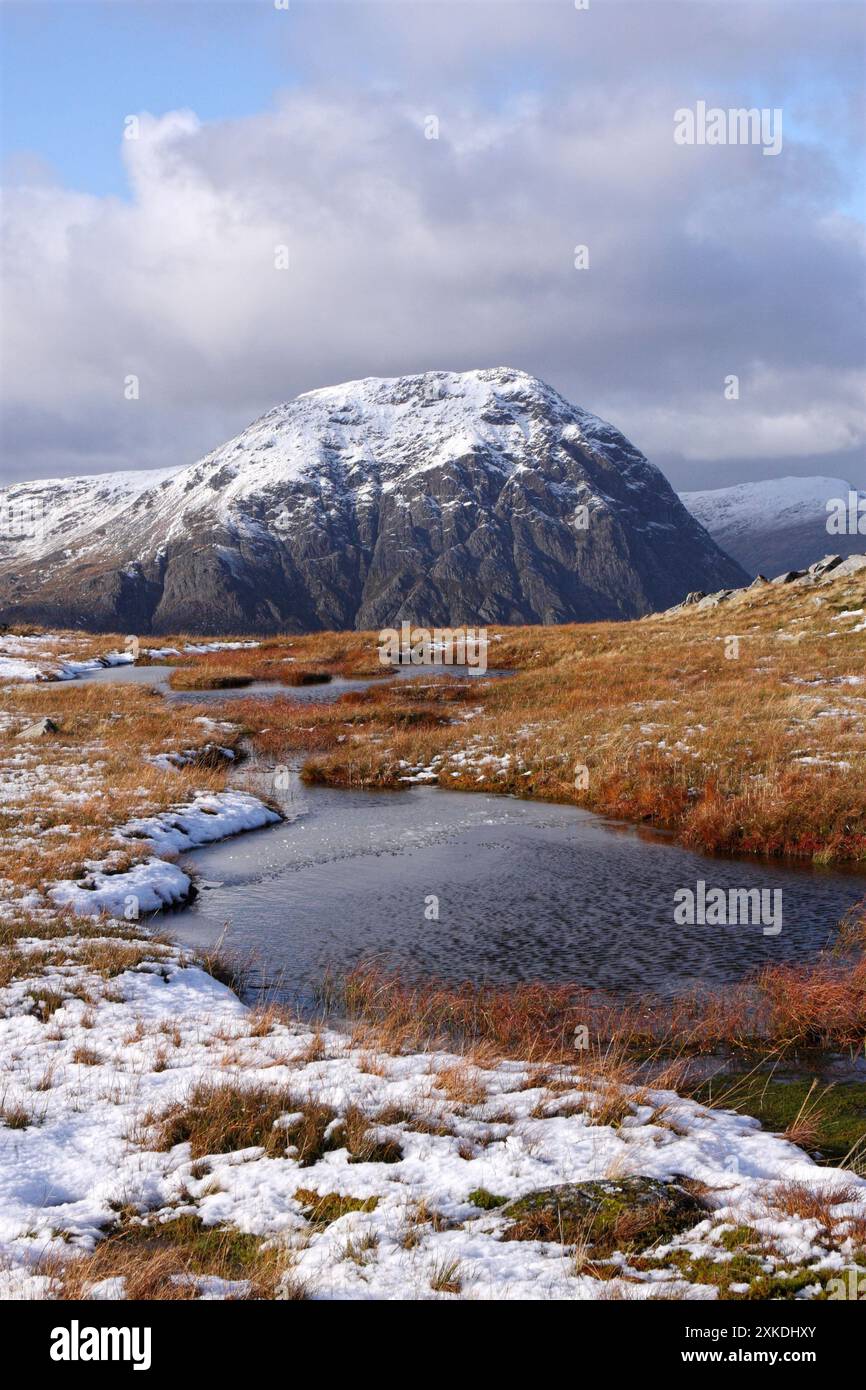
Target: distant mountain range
<point>445,498</point>
<point>779,524</point>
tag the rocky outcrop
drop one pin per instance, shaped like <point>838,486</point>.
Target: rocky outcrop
<point>40,729</point>
<point>479,497</point>
<point>825,571</point>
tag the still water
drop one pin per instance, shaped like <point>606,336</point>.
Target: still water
<point>468,886</point>
<point>158,677</point>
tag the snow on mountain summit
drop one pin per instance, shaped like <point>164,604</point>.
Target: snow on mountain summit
<point>776,524</point>
<point>441,497</point>
<point>380,429</point>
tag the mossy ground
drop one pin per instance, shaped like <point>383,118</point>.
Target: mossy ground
<point>743,1277</point>
<point>205,1249</point>
<point>486,1201</point>
<point>838,1112</point>
<point>610,1214</point>
<point>321,1210</point>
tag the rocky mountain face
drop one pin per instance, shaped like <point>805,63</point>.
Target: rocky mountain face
<point>445,498</point>
<point>782,523</point>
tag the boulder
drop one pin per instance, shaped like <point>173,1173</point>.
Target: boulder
<point>829,562</point>
<point>609,1213</point>
<point>852,565</point>
<point>40,729</point>
<point>713,600</point>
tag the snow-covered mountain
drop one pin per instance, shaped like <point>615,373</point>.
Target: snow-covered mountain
<point>443,498</point>
<point>779,524</point>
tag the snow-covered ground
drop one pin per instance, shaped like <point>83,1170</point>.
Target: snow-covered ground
<point>95,1044</point>
<point>39,658</point>
<point>103,1029</point>
<point>198,648</point>
<point>113,1053</point>
<point>157,883</point>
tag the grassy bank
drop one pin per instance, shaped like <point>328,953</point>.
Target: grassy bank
<point>763,752</point>
<point>118,754</point>
<point>207,1149</point>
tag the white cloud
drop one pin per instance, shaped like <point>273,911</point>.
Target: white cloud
<point>407,253</point>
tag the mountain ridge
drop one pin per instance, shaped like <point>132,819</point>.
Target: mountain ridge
<point>442,497</point>
<point>775,524</point>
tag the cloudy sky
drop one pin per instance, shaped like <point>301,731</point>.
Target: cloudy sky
<point>308,127</point>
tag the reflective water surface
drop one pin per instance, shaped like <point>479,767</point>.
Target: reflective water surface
<point>158,678</point>
<point>523,891</point>
<point>470,886</point>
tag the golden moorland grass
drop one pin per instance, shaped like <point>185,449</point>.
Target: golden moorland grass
<point>778,1009</point>
<point>209,677</point>
<point>170,1260</point>
<point>756,745</point>
<point>66,793</point>
<point>656,721</point>
<point>763,752</point>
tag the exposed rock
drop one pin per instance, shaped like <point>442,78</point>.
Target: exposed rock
<point>40,728</point>
<point>825,571</point>
<point>610,1213</point>
<point>447,498</point>
<point>829,562</point>
<point>713,600</point>
<point>852,565</point>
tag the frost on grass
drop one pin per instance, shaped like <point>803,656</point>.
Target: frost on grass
<point>150,1117</point>
<point>160,1140</point>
